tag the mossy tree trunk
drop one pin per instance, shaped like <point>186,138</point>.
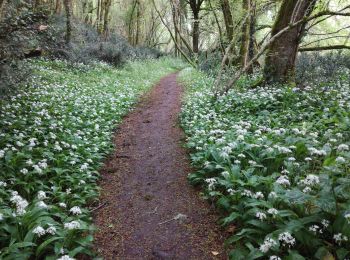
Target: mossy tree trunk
<point>282,53</point>
<point>226,11</point>
<point>244,49</point>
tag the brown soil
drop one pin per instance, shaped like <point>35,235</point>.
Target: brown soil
<point>144,186</point>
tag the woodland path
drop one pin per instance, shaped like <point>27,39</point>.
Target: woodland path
<point>144,186</point>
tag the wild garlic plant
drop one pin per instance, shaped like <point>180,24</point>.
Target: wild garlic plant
<point>54,133</point>
<point>276,160</point>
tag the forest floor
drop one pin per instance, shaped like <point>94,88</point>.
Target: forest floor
<point>149,211</point>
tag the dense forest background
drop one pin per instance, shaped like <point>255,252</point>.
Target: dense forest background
<point>215,35</point>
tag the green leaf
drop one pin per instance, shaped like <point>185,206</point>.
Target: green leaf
<point>44,245</point>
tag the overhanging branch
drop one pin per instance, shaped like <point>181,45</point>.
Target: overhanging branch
<point>324,48</point>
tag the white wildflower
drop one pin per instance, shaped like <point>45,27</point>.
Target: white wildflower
<point>287,239</point>
<point>42,205</point>
<point>62,205</point>
<point>259,195</point>
<point>274,257</point>
<point>51,230</point>
<point>41,195</point>
<point>325,223</point>
<point>307,189</point>
<point>347,216</point>
<point>273,211</point>
<point>20,203</point>
<point>272,195</point>
<point>339,238</point>
<point>75,210</point>
<point>310,180</point>
<point>72,225</point>
<point>343,147</point>
<point>39,231</point>
<point>260,215</point>
<point>314,228</point>
<point>24,171</point>
<point>267,245</point>
<point>65,257</point>
<point>225,174</point>
<point>340,159</point>
<point>211,183</point>
<point>283,180</point>
<point>231,191</point>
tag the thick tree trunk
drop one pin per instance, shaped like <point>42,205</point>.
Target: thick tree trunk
<point>226,11</point>
<point>67,6</point>
<point>281,55</point>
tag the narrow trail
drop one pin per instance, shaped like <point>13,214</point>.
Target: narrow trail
<point>144,187</point>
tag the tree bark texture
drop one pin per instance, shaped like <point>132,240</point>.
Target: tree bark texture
<point>244,50</point>
<point>226,11</point>
<point>281,55</point>
<point>67,6</point>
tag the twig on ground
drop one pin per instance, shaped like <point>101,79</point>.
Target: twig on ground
<point>99,206</point>
<point>179,216</point>
<point>151,212</point>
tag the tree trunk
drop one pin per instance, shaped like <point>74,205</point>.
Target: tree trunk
<point>281,55</point>
<point>138,17</point>
<point>226,11</point>
<point>67,6</point>
<point>195,36</point>
<point>251,45</point>
<point>58,8</point>
<point>106,17</point>
<point>175,30</point>
<point>195,7</point>
<point>131,24</point>
<point>244,50</point>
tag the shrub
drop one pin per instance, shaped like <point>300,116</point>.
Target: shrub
<point>321,68</point>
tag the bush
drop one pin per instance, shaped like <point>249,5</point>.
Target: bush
<point>88,47</point>
<point>321,68</point>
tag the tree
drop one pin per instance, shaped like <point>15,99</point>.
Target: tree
<point>107,6</point>
<point>281,54</point>
<point>67,6</point>
<point>195,8</point>
<point>226,11</point>
<point>58,7</point>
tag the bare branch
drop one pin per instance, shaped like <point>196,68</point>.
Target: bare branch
<point>324,48</point>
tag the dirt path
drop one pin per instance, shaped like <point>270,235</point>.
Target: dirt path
<point>144,186</point>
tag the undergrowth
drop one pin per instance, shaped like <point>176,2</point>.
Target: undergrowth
<point>276,161</point>
<point>54,134</point>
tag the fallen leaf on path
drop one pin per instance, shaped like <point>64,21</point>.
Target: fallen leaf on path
<point>215,252</point>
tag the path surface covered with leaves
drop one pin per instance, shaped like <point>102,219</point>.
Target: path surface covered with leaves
<point>148,209</point>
